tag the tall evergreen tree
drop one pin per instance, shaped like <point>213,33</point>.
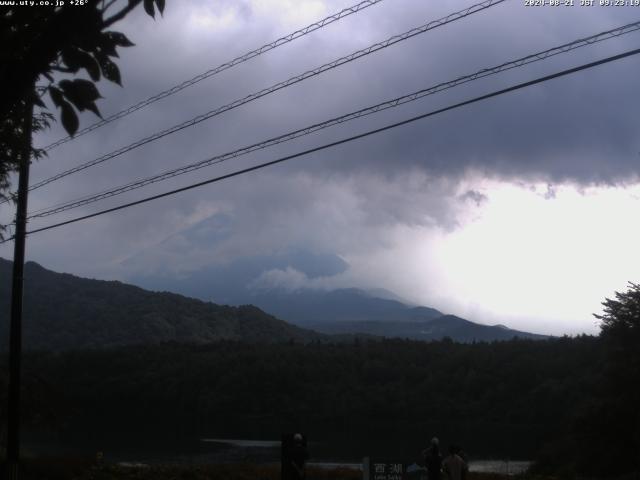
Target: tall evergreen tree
<point>620,333</point>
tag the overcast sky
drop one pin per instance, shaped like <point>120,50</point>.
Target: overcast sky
<point>520,210</point>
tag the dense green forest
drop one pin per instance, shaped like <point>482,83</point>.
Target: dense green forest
<point>570,403</point>
<point>502,399</point>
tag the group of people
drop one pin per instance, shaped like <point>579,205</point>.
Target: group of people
<point>454,466</point>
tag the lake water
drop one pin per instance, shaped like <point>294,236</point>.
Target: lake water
<point>267,451</point>
<point>505,467</point>
<point>223,450</point>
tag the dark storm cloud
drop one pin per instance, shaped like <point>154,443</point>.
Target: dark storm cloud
<point>579,128</point>
<point>473,196</point>
<point>352,198</point>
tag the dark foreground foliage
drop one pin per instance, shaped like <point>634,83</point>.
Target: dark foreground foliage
<point>85,469</point>
<point>571,403</point>
<point>603,438</point>
<point>500,400</point>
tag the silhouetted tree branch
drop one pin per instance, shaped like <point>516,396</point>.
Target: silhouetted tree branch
<point>39,42</point>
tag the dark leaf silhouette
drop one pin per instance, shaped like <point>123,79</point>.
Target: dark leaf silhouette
<point>70,59</point>
<point>75,58</point>
<point>56,96</point>
<point>69,118</point>
<point>38,101</point>
<point>82,93</point>
<point>108,46</point>
<point>148,7</point>
<point>119,39</point>
<point>110,70</point>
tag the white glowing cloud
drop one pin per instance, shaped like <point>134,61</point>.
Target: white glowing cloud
<point>545,259</point>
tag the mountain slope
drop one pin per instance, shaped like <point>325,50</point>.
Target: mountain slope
<point>283,285</point>
<point>293,282</point>
<point>311,307</point>
<point>354,311</point>
<point>456,328</point>
<point>62,311</point>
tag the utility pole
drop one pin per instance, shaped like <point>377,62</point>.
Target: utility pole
<point>15,334</point>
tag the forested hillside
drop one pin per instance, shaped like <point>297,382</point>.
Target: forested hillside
<point>567,402</point>
<point>62,311</point>
<point>504,399</point>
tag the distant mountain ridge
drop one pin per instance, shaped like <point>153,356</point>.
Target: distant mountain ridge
<point>299,284</point>
<point>307,306</point>
<point>356,311</point>
<point>62,311</point>
<point>294,284</point>
<point>444,326</point>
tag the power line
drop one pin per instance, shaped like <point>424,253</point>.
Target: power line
<point>61,207</point>
<point>345,140</point>
<point>278,86</point>
<point>220,68</point>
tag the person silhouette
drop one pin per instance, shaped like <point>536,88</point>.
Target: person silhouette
<point>299,456</point>
<point>433,460</point>
<point>454,466</point>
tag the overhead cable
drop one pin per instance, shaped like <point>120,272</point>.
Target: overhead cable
<point>629,28</point>
<point>278,86</point>
<point>220,68</point>
<point>345,140</point>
